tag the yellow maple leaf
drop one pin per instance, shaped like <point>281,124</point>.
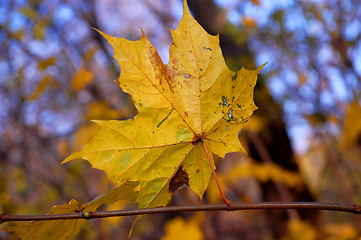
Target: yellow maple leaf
<point>62,229</point>
<point>191,104</point>
<point>69,228</point>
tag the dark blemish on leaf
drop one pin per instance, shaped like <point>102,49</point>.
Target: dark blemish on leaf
<point>165,118</point>
<point>210,49</point>
<point>169,75</point>
<point>230,114</point>
<point>231,118</point>
<point>186,113</point>
<point>178,181</point>
<point>197,171</point>
<point>197,140</point>
<point>224,100</point>
<point>243,120</point>
<point>239,106</point>
<point>234,77</point>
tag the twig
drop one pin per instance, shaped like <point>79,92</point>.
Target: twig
<point>235,206</point>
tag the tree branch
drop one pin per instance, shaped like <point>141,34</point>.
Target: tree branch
<point>355,208</point>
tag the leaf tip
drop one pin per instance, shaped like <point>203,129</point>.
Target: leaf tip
<point>260,67</point>
<point>100,32</point>
<point>106,36</point>
<point>143,34</point>
<point>133,225</point>
<point>66,160</point>
<point>185,8</point>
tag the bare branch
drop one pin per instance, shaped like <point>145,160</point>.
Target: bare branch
<point>355,208</point>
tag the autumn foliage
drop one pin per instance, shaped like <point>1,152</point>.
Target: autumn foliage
<point>190,116</point>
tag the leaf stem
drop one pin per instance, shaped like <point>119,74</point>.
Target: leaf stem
<point>215,176</point>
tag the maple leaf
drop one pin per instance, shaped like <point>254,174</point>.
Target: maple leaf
<point>69,228</point>
<point>190,106</point>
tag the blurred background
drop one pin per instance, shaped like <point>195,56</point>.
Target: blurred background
<point>304,142</point>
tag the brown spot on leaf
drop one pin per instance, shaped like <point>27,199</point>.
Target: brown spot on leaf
<point>169,75</point>
<point>180,180</point>
<point>196,139</point>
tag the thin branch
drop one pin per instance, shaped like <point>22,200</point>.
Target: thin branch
<point>355,208</point>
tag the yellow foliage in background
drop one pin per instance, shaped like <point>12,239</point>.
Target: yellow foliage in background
<point>81,78</point>
<point>263,173</point>
<point>43,84</point>
<point>343,231</point>
<point>300,230</point>
<point>44,64</point>
<point>249,22</point>
<point>352,125</point>
<point>180,229</point>
<point>246,168</point>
